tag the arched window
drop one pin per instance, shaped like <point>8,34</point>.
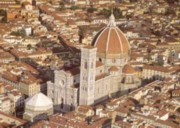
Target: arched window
<point>100,59</point>
<point>92,65</point>
<point>85,65</point>
<point>71,107</point>
<point>114,60</point>
<point>62,103</point>
<point>62,81</point>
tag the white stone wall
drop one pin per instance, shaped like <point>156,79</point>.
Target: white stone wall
<point>71,98</point>
<point>102,89</point>
<point>116,62</point>
<point>100,70</point>
<point>64,95</point>
<point>50,90</point>
<point>87,76</point>
<point>115,84</point>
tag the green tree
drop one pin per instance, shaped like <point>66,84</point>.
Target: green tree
<point>117,13</point>
<point>107,12</point>
<point>149,58</point>
<point>61,6</point>
<point>172,1</point>
<point>91,9</point>
<point>133,1</point>
<point>4,14</point>
<point>29,46</point>
<point>21,33</point>
<point>74,7</point>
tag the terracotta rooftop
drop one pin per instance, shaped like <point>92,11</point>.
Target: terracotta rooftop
<point>128,69</point>
<point>98,64</point>
<point>161,68</point>
<point>74,71</point>
<point>113,68</point>
<point>101,76</point>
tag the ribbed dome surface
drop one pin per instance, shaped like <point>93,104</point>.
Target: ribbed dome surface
<point>39,100</point>
<point>111,40</point>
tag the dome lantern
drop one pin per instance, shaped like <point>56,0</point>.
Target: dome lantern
<point>113,48</point>
<point>112,22</point>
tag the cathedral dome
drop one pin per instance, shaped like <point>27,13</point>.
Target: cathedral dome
<point>128,69</point>
<point>111,40</point>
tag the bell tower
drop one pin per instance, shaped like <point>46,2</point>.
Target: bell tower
<point>87,75</point>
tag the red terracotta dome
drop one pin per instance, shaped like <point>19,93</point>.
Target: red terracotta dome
<point>128,69</point>
<point>113,69</point>
<point>111,40</point>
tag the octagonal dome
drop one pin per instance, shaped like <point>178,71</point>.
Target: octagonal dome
<point>39,102</point>
<point>111,40</point>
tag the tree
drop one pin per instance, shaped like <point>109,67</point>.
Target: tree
<point>21,33</point>
<point>133,1</point>
<point>61,6</point>
<point>117,13</point>
<point>149,58</point>
<point>172,1</point>
<point>91,9</point>
<point>74,7</point>
<point>4,14</point>
<point>107,12</point>
<point>170,11</point>
<point>29,46</point>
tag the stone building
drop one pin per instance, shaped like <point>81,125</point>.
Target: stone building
<point>129,79</point>
<point>99,76</point>
<point>37,107</point>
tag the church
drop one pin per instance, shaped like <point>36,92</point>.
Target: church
<point>104,72</point>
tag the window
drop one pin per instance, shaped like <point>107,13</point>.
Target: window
<point>114,60</point>
<point>71,107</point>
<point>62,103</point>
<point>100,59</point>
<point>92,65</point>
<point>62,81</point>
<point>85,65</point>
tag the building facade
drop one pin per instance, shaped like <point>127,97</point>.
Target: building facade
<point>99,76</point>
<point>38,107</point>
